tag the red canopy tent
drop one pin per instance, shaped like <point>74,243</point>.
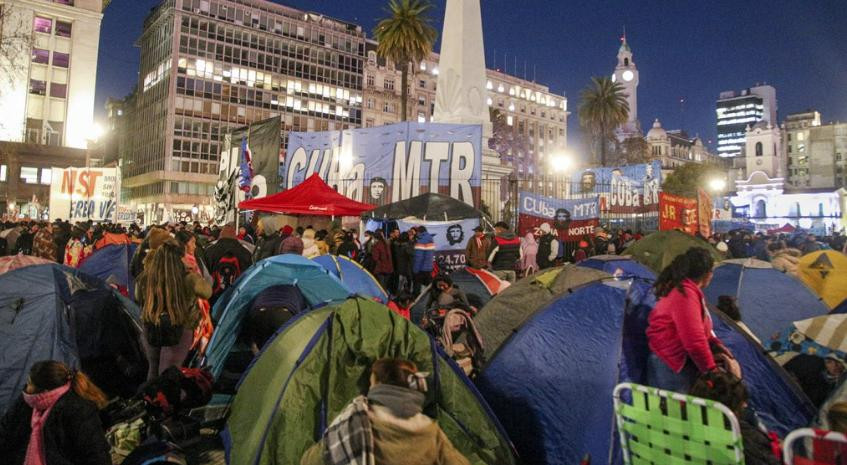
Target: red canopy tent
<point>311,197</point>
<point>787,228</point>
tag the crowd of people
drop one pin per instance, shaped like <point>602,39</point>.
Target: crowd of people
<point>180,269</point>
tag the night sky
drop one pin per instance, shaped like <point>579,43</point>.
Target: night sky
<point>689,49</point>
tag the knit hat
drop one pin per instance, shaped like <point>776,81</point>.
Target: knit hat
<point>287,230</point>
<point>228,232</point>
<point>156,237</point>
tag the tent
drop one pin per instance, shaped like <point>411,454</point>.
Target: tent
<point>321,360</point>
<point>825,272</point>
<point>770,301</point>
<point>428,207</point>
<point>841,308</point>
<point>317,286</point>
<point>311,197</point>
<point>13,262</point>
<point>819,336</point>
<point>478,285</point>
<point>657,250</point>
<point>112,263</point>
<point>353,276</point>
<point>787,228</point>
<point>51,312</point>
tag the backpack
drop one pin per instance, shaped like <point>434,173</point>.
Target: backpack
<point>225,273</point>
<point>456,331</point>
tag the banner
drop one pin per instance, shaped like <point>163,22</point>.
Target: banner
<point>626,189</point>
<point>390,163</point>
<point>704,213</point>
<point>125,214</point>
<point>677,213</point>
<point>572,218</point>
<point>450,237</point>
<point>256,146</point>
<point>79,194</point>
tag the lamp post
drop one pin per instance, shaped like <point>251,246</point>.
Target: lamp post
<point>717,185</point>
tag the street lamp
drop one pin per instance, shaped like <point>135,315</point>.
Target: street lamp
<point>717,185</point>
<point>560,162</point>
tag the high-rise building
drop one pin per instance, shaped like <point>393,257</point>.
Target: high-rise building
<point>50,62</point>
<point>537,116</point>
<point>626,74</point>
<point>48,69</point>
<point>208,66</point>
<point>816,153</point>
<point>738,110</point>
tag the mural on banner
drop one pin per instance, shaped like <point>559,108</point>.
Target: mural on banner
<point>390,163</point>
<point>450,238</point>
<point>249,166</point>
<point>78,194</point>
<point>625,189</point>
<point>677,212</point>
<point>572,218</point>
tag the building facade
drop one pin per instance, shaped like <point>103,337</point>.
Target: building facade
<point>536,118</point>
<point>816,152</point>
<point>626,74</point>
<point>738,110</point>
<point>208,66</point>
<point>675,148</point>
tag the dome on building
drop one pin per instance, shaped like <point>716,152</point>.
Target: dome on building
<point>657,132</point>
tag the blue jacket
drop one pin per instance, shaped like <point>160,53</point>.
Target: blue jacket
<point>424,253</point>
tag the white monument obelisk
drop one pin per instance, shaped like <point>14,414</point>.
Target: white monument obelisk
<point>461,95</point>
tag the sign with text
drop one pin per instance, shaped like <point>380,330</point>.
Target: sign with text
<point>677,212</point>
<point>78,194</point>
<point>625,189</point>
<point>450,238</point>
<point>390,163</point>
<point>572,218</point>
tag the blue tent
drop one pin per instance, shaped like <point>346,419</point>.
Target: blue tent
<point>317,286</point>
<point>355,278</point>
<point>113,262</point>
<point>51,312</point>
<point>841,308</point>
<point>770,301</point>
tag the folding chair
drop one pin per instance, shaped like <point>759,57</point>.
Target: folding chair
<point>820,447</point>
<point>665,428</point>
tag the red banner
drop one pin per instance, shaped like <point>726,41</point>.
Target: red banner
<point>704,212</point>
<point>677,213</point>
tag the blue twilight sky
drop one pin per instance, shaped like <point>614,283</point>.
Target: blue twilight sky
<point>684,49</point>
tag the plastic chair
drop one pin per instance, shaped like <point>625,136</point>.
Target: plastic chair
<point>665,428</point>
<point>821,447</point>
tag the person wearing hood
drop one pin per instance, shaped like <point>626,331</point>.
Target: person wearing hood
<point>310,246</point>
<point>388,426</point>
<point>548,247</point>
<point>505,252</point>
<point>55,420</point>
<point>783,258</point>
<point>529,250</point>
<point>291,242</point>
<point>424,257</point>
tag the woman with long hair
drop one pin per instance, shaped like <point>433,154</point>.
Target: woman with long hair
<point>397,431</point>
<point>167,292</point>
<point>55,420</point>
<point>679,332</point>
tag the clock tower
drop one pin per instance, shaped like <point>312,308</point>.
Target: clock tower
<point>626,74</point>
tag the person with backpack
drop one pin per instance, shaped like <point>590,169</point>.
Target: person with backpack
<point>387,426</point>
<point>348,247</point>
<point>505,252</point>
<point>56,420</point>
<point>167,293</point>
<point>228,259</point>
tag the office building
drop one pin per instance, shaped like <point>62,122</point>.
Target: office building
<point>537,117</point>
<point>816,153</point>
<point>208,66</point>
<point>738,110</point>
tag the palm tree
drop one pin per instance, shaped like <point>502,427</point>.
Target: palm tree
<point>604,108</point>
<point>405,36</point>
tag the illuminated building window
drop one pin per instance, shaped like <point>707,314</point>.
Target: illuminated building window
<point>3,173</point>
<point>43,25</point>
<point>40,56</point>
<point>37,87</point>
<point>61,60</point>
<point>63,29</point>
<point>29,174</point>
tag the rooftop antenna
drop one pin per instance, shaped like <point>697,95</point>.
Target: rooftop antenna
<point>534,69</point>
<point>495,60</point>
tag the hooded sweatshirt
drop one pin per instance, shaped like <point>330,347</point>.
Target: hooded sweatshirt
<point>424,253</point>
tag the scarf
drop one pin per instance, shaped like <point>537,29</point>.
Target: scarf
<point>41,403</point>
<point>401,402</point>
<point>349,438</point>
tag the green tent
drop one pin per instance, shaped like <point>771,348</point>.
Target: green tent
<point>509,309</point>
<point>657,250</point>
<point>321,361</point>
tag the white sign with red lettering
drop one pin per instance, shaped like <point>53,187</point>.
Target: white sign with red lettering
<point>81,194</point>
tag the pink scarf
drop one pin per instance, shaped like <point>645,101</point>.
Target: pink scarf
<point>41,403</point>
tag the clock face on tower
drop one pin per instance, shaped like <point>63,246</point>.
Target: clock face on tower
<point>627,75</point>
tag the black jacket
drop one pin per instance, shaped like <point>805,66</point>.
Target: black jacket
<point>73,434</point>
<point>228,246</point>
<point>267,247</point>
<point>757,445</point>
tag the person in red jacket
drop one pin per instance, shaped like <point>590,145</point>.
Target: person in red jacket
<point>381,254</point>
<point>679,332</point>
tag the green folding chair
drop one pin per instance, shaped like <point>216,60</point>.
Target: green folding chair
<point>665,428</point>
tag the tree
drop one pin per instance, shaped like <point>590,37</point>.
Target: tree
<point>405,37</point>
<point>505,139</point>
<point>686,179</point>
<point>634,150</point>
<point>603,108</point>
